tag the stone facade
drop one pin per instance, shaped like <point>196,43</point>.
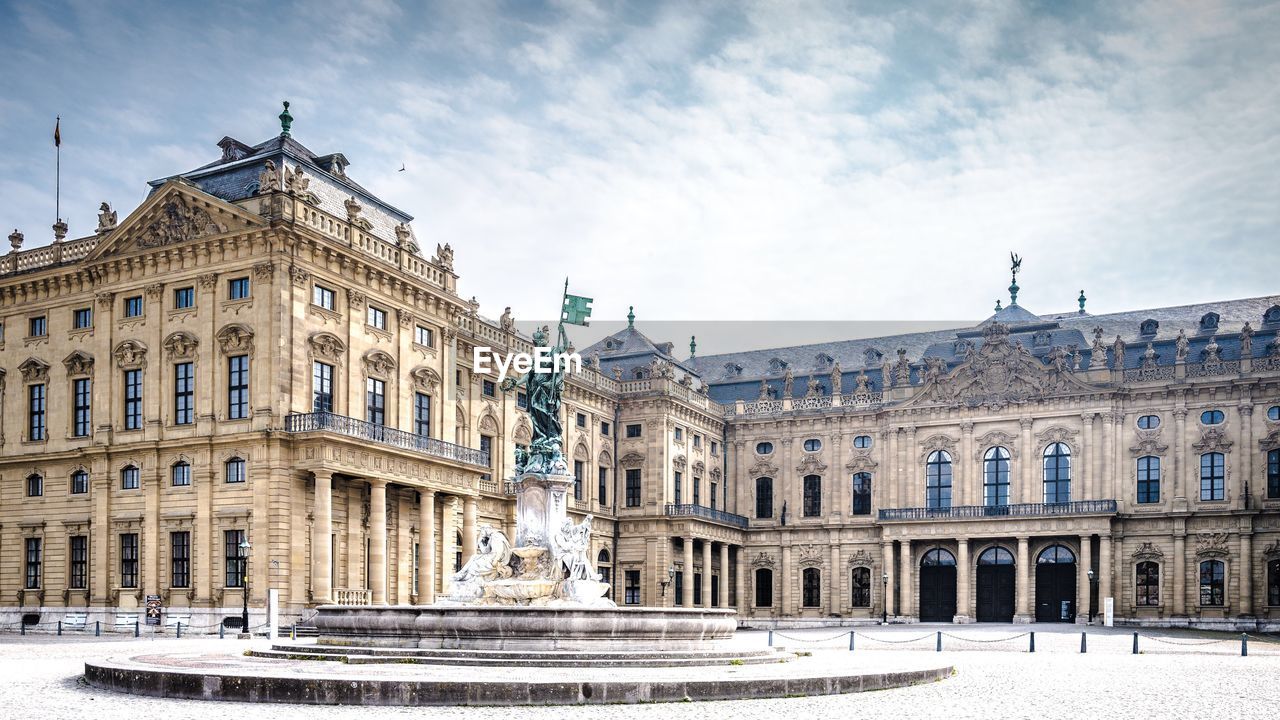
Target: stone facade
<point>160,400</point>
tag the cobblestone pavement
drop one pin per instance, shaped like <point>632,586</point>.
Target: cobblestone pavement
<point>1201,676</point>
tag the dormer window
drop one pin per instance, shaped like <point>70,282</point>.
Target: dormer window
<point>1149,327</point>
<point>872,357</point>
<point>1209,322</point>
<point>1041,338</point>
<point>609,345</point>
<point>777,365</point>
<point>823,360</point>
<point>1271,316</point>
<point>732,369</point>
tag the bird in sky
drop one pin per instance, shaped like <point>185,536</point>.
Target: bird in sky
<point>401,168</point>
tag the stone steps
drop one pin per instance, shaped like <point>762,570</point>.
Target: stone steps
<point>496,658</point>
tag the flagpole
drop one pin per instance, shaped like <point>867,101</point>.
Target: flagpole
<point>57,172</point>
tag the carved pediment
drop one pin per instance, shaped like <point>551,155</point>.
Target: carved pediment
<point>632,460</point>
<point>177,212</point>
<point>998,374</point>
<point>427,380</point>
<point>862,558</point>
<point>181,346</point>
<point>937,442</point>
<point>1059,434</point>
<point>762,468</point>
<point>1272,551</point>
<point>379,363</point>
<point>699,467</point>
<point>811,465</point>
<point>994,438</point>
<point>235,340</point>
<point>1212,543</point>
<point>1148,552</point>
<point>862,462</point>
<point>130,354</point>
<point>1213,439</point>
<point>810,555</point>
<point>1270,442</point>
<point>679,462</point>
<point>763,560</point>
<point>1148,445</point>
<point>327,346</point>
<point>34,370</point>
<point>78,363</point>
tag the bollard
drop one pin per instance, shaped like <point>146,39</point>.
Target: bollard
<point>1135,643</point>
<point>179,629</point>
<point>222,629</point>
<point>1244,645</point>
<point>293,632</point>
<point>1033,641</point>
<point>137,629</point>
<point>1084,643</point>
<point>97,628</point>
<point>59,628</point>
<point>22,627</point>
<point>851,634</point>
<point>770,638</point>
<point>939,648</point>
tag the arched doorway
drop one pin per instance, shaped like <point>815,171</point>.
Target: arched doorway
<point>937,586</point>
<point>995,585</point>
<point>1056,585</point>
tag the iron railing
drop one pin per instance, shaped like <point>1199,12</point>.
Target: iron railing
<point>1078,507</point>
<point>702,511</point>
<point>351,427</point>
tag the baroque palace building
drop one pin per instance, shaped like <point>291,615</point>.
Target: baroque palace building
<point>257,380</point>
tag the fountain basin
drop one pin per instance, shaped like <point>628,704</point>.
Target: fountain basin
<point>486,627</point>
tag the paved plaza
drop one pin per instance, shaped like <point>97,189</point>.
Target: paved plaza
<point>1176,675</point>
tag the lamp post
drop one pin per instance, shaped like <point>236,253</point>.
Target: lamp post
<point>671,577</point>
<point>244,586</point>
<point>1089,600</point>
<point>884,596</point>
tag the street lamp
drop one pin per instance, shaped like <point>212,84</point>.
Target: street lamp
<point>671,577</point>
<point>1089,601</point>
<point>244,585</point>
<point>884,599</point>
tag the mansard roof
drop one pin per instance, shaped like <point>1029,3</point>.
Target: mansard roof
<point>629,349</point>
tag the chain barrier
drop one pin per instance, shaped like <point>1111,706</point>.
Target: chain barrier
<point>1188,643</point>
<point>898,642</point>
<point>1258,638</point>
<point>807,640</point>
<point>995,640</point>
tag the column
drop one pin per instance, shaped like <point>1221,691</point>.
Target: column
<point>686,591</point>
<point>1178,567</point>
<point>1082,579</point>
<point>891,470</point>
<point>1028,461</point>
<point>378,541</point>
<point>706,573</point>
<point>1179,464</point>
<point>321,531</point>
<point>448,533</point>
<point>904,585</point>
<point>1245,459</point>
<point>740,580</point>
<point>964,613</point>
<point>835,580</point>
<point>1024,575</point>
<point>427,547</point>
<point>448,390</point>
<point>969,487</point>
<point>1089,459</point>
<point>355,537</point>
<point>1246,574</point>
<point>469,527</point>
<point>886,586</point>
<point>1105,567</point>
<point>786,607</point>
<point>722,584</point>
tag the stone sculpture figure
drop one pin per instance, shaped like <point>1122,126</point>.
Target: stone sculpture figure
<point>788,383</point>
<point>1182,345</point>
<point>1118,349</point>
<point>268,179</point>
<point>836,380</point>
<point>106,218</point>
<point>507,320</point>
<point>492,561</point>
<point>545,390</point>
<point>1246,341</point>
<point>1098,351</point>
<point>862,384</point>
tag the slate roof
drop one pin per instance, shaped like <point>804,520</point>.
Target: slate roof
<point>629,349</point>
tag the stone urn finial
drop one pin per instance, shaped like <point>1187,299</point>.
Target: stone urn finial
<point>15,239</point>
<point>59,230</point>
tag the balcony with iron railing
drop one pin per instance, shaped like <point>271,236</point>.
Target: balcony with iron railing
<point>382,435</point>
<point>979,512</point>
<point>706,513</point>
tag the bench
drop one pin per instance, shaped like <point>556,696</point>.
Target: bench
<point>75,621</point>
<point>126,623</point>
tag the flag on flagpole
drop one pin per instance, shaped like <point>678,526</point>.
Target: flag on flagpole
<point>57,132</point>
<point>576,310</point>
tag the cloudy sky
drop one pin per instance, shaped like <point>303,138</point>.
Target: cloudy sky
<point>706,160</point>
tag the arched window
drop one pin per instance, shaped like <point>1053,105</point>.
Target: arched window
<point>130,478</point>
<point>235,470</point>
<point>35,485</point>
<point>1148,589</point>
<point>862,493</point>
<point>860,587</point>
<point>79,482</point>
<point>764,587</point>
<point>1273,475</point>
<point>1055,554</point>
<point>812,496</point>
<point>180,473</point>
<point>1057,473</point>
<point>1273,583</point>
<point>937,480</point>
<point>995,556</point>
<point>1213,583</point>
<point>1212,476</point>
<point>764,497</point>
<point>995,477</point>
<point>457,556</point>
<point>1148,479</point>
<point>811,579</point>
<point>604,566</point>
<point>938,557</point>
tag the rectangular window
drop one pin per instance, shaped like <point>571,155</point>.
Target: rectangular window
<point>715,448</point>
<point>424,336</point>
<point>180,474</point>
<point>697,589</point>
<point>375,401</point>
<point>38,327</point>
<point>238,387</point>
<point>82,319</point>
<point>1273,475</point>
<point>604,428</point>
<point>33,563</point>
<point>488,388</point>
<point>180,559</point>
<point>578,469</point>
<point>581,420</point>
<point>130,478</point>
<point>697,441</point>
<point>713,495</point>
<point>129,560</point>
<point>133,306</point>
<point>36,412</point>
<point>633,487</point>
<point>1212,476</point>
<point>79,482</point>
<point>183,298</point>
<point>631,596</point>
<point>486,447</point>
<point>81,403</point>
<point>235,563</point>
<point>184,393</point>
<point>133,399</point>
<point>697,491</point>
<point>235,470</point>
<point>678,588</point>
<point>862,493</point>
<point>679,434</point>
<point>603,486</point>
<point>633,431</point>
<point>321,387</point>
<point>323,297</point>
<point>679,487</point>
<point>422,414</point>
<point>1148,479</point>
<point>238,288</point>
<point>377,318</point>
<point>522,400</point>
<point>35,485</point>
<point>79,562</point>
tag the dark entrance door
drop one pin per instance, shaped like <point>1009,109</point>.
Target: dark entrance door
<point>938,586</point>
<point>995,585</point>
<point>1056,585</point>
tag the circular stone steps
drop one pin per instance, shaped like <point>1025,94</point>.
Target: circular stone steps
<point>508,658</point>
